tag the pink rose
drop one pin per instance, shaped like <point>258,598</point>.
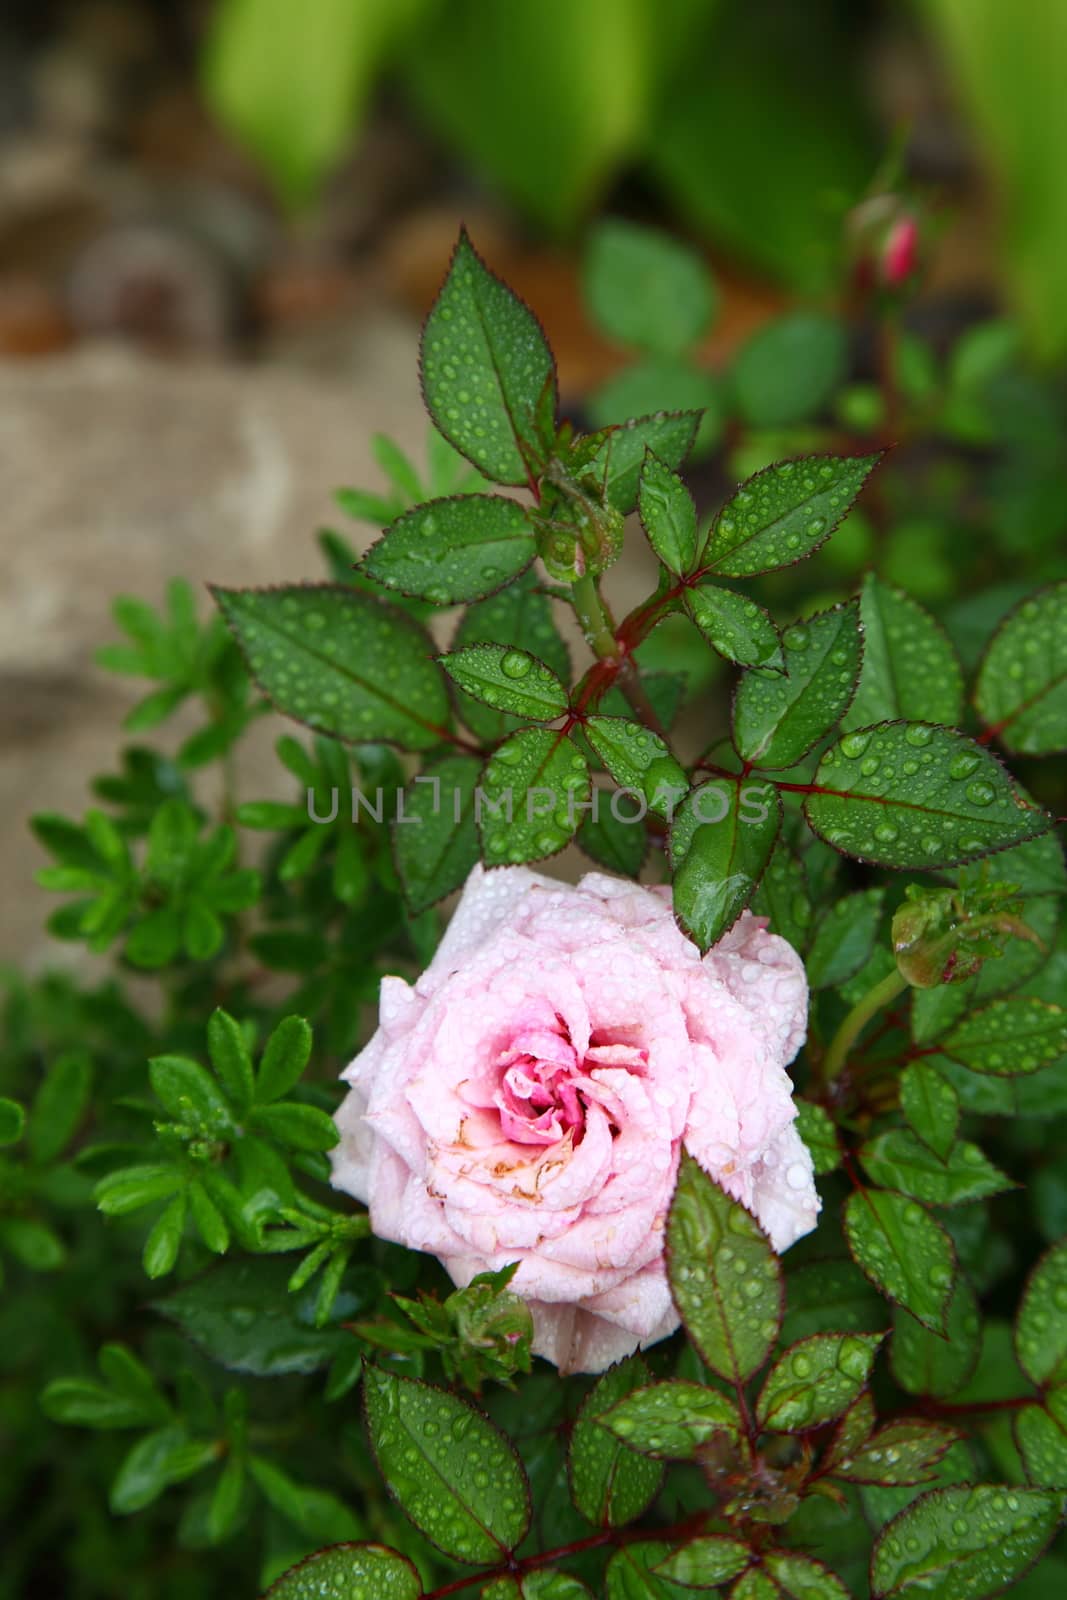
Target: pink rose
<point>527,1099</point>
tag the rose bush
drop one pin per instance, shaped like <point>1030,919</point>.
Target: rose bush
<point>527,1099</point>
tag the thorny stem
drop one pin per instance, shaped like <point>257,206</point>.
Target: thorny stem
<point>610,1536</point>
<point>602,639</point>
<point>862,1012</point>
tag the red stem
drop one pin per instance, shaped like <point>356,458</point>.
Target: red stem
<point>616,1536</point>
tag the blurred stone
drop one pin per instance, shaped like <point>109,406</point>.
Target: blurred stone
<point>120,472</point>
<point>155,285</point>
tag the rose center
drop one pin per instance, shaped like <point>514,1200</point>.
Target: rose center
<point>541,1080</point>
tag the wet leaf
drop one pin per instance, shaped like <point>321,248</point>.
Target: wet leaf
<point>455,1476</point>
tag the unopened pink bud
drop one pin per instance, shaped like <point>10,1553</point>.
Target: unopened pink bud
<point>900,253</point>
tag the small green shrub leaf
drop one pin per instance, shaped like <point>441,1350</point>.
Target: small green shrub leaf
<point>668,434</point>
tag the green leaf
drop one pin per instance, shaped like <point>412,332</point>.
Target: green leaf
<point>613,842</point>
<point>1042,1441</point>
<point>611,1484</point>
<point>546,1583</point>
<point>803,1578</point>
<point>455,549</point>
<point>292,91</point>
<point>354,1571</point>
<point>784,897</point>
<point>778,718</point>
<point>931,1106</point>
<point>901,1453</point>
<point>755,1584</point>
<point>632,1573</point>
<point>58,1106</point>
<point>963,1542</point>
<point>671,1420</point>
<point>906,1254</point>
<point>298,1126</point>
<point>128,1399</point>
<point>532,789</point>
<point>241,1315</point>
<point>638,760</point>
<point>165,1238</point>
<point>1008,1037</point>
<point>716,1252</point>
<point>735,626</point>
<point>231,1058</point>
<point>12,1121</point>
<point>341,662</point>
<point>668,434</point>
<point>436,844</point>
<point>899,1160</point>
<point>190,1094</point>
<point>784,513</point>
<point>815,1126</point>
<point>907,794</point>
<point>721,838</point>
<point>788,370</point>
<point>485,368</point>
<point>815,1380</point>
<point>707,1562</point>
<point>1022,681</point>
<point>508,679</point>
<point>831,1296</point>
<point>456,1477</point>
<point>153,1464</point>
<point>1041,1320</point>
<point>910,670</point>
<point>32,1243</point>
<point>131,1188</point>
<point>844,938</point>
<point>316,1512</point>
<point>287,1053</point>
<point>519,616</point>
<point>668,515</point>
<point>645,288</point>
<point>925,1362</point>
